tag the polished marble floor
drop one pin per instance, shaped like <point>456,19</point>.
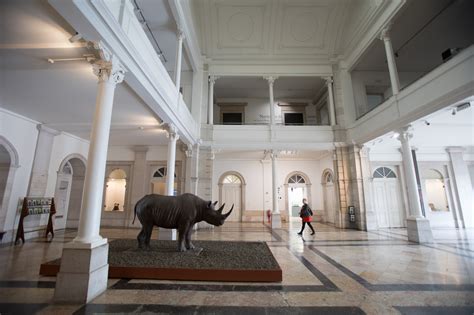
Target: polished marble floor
<point>333,272</point>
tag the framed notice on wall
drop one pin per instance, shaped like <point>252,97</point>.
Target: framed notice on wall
<point>34,206</point>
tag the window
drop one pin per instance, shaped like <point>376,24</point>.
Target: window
<point>232,118</point>
<point>161,172</point>
<point>384,172</point>
<point>329,178</point>
<point>232,113</point>
<point>231,179</point>
<point>294,119</point>
<point>296,179</point>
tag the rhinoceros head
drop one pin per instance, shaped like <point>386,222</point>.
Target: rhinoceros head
<point>215,217</point>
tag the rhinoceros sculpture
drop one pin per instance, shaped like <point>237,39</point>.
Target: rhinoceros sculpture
<point>175,212</point>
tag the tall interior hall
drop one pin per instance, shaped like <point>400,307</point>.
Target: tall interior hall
<point>362,107</point>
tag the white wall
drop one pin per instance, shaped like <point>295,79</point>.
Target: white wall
<point>21,132</point>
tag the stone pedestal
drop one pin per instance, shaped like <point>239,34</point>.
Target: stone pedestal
<point>276,221</point>
<point>83,274</point>
<point>167,234</point>
<point>419,230</point>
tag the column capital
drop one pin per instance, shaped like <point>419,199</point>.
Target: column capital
<point>180,34</point>
<point>213,79</point>
<point>270,79</point>
<point>385,33</point>
<point>455,149</point>
<point>107,67</point>
<point>172,132</point>
<point>329,80</point>
<point>405,133</point>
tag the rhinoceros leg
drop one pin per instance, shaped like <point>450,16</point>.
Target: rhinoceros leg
<point>147,231</point>
<point>141,238</point>
<point>181,238</point>
<point>189,231</point>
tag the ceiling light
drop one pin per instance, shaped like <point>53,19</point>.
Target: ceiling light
<point>463,106</point>
<point>453,112</point>
<point>395,135</point>
<point>427,122</point>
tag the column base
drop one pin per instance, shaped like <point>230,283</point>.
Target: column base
<point>167,234</point>
<point>419,230</point>
<point>83,274</point>
<point>276,221</point>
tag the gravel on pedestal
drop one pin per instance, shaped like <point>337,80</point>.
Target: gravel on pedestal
<point>214,255</point>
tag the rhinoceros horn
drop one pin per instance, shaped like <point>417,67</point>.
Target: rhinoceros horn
<point>228,213</point>
<point>221,208</point>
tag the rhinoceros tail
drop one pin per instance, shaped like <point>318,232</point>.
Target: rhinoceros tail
<point>135,213</point>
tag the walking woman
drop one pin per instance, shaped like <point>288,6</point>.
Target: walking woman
<point>306,216</point>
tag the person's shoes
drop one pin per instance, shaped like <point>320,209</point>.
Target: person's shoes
<point>312,233</point>
<point>299,233</point>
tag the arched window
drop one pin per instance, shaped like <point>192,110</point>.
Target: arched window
<point>296,179</point>
<point>115,190</point>
<point>161,172</point>
<point>231,179</point>
<point>384,172</point>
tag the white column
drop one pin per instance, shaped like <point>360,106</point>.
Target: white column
<point>139,187</point>
<point>170,169</point>
<point>392,65</point>
<point>418,228</point>
<point>109,74</point>
<point>271,80</point>
<point>210,106</point>
<point>276,217</point>
<point>170,234</point>
<point>195,175</point>
<point>179,57</point>
<point>463,192</point>
<point>331,110</point>
<point>84,264</point>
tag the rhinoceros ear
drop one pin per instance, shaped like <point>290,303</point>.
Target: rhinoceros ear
<point>209,204</point>
<point>215,203</point>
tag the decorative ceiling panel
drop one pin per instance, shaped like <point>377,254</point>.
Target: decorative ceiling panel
<point>240,26</point>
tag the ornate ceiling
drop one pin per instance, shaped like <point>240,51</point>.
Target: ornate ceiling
<point>313,30</point>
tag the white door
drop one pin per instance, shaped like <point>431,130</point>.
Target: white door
<point>232,194</point>
<point>387,203</point>
<point>61,197</point>
<point>329,202</point>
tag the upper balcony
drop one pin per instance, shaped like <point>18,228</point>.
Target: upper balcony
<point>130,33</point>
<point>242,115</point>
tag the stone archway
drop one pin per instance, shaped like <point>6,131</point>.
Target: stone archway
<point>9,163</point>
<point>68,192</point>
<point>232,190</point>
<point>296,180</point>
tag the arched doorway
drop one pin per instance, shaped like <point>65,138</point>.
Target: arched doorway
<point>116,186</point>
<point>436,198</point>
<point>68,193</point>
<point>232,191</point>
<point>297,187</point>
<point>387,198</point>
<point>329,195</point>
<point>8,165</point>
